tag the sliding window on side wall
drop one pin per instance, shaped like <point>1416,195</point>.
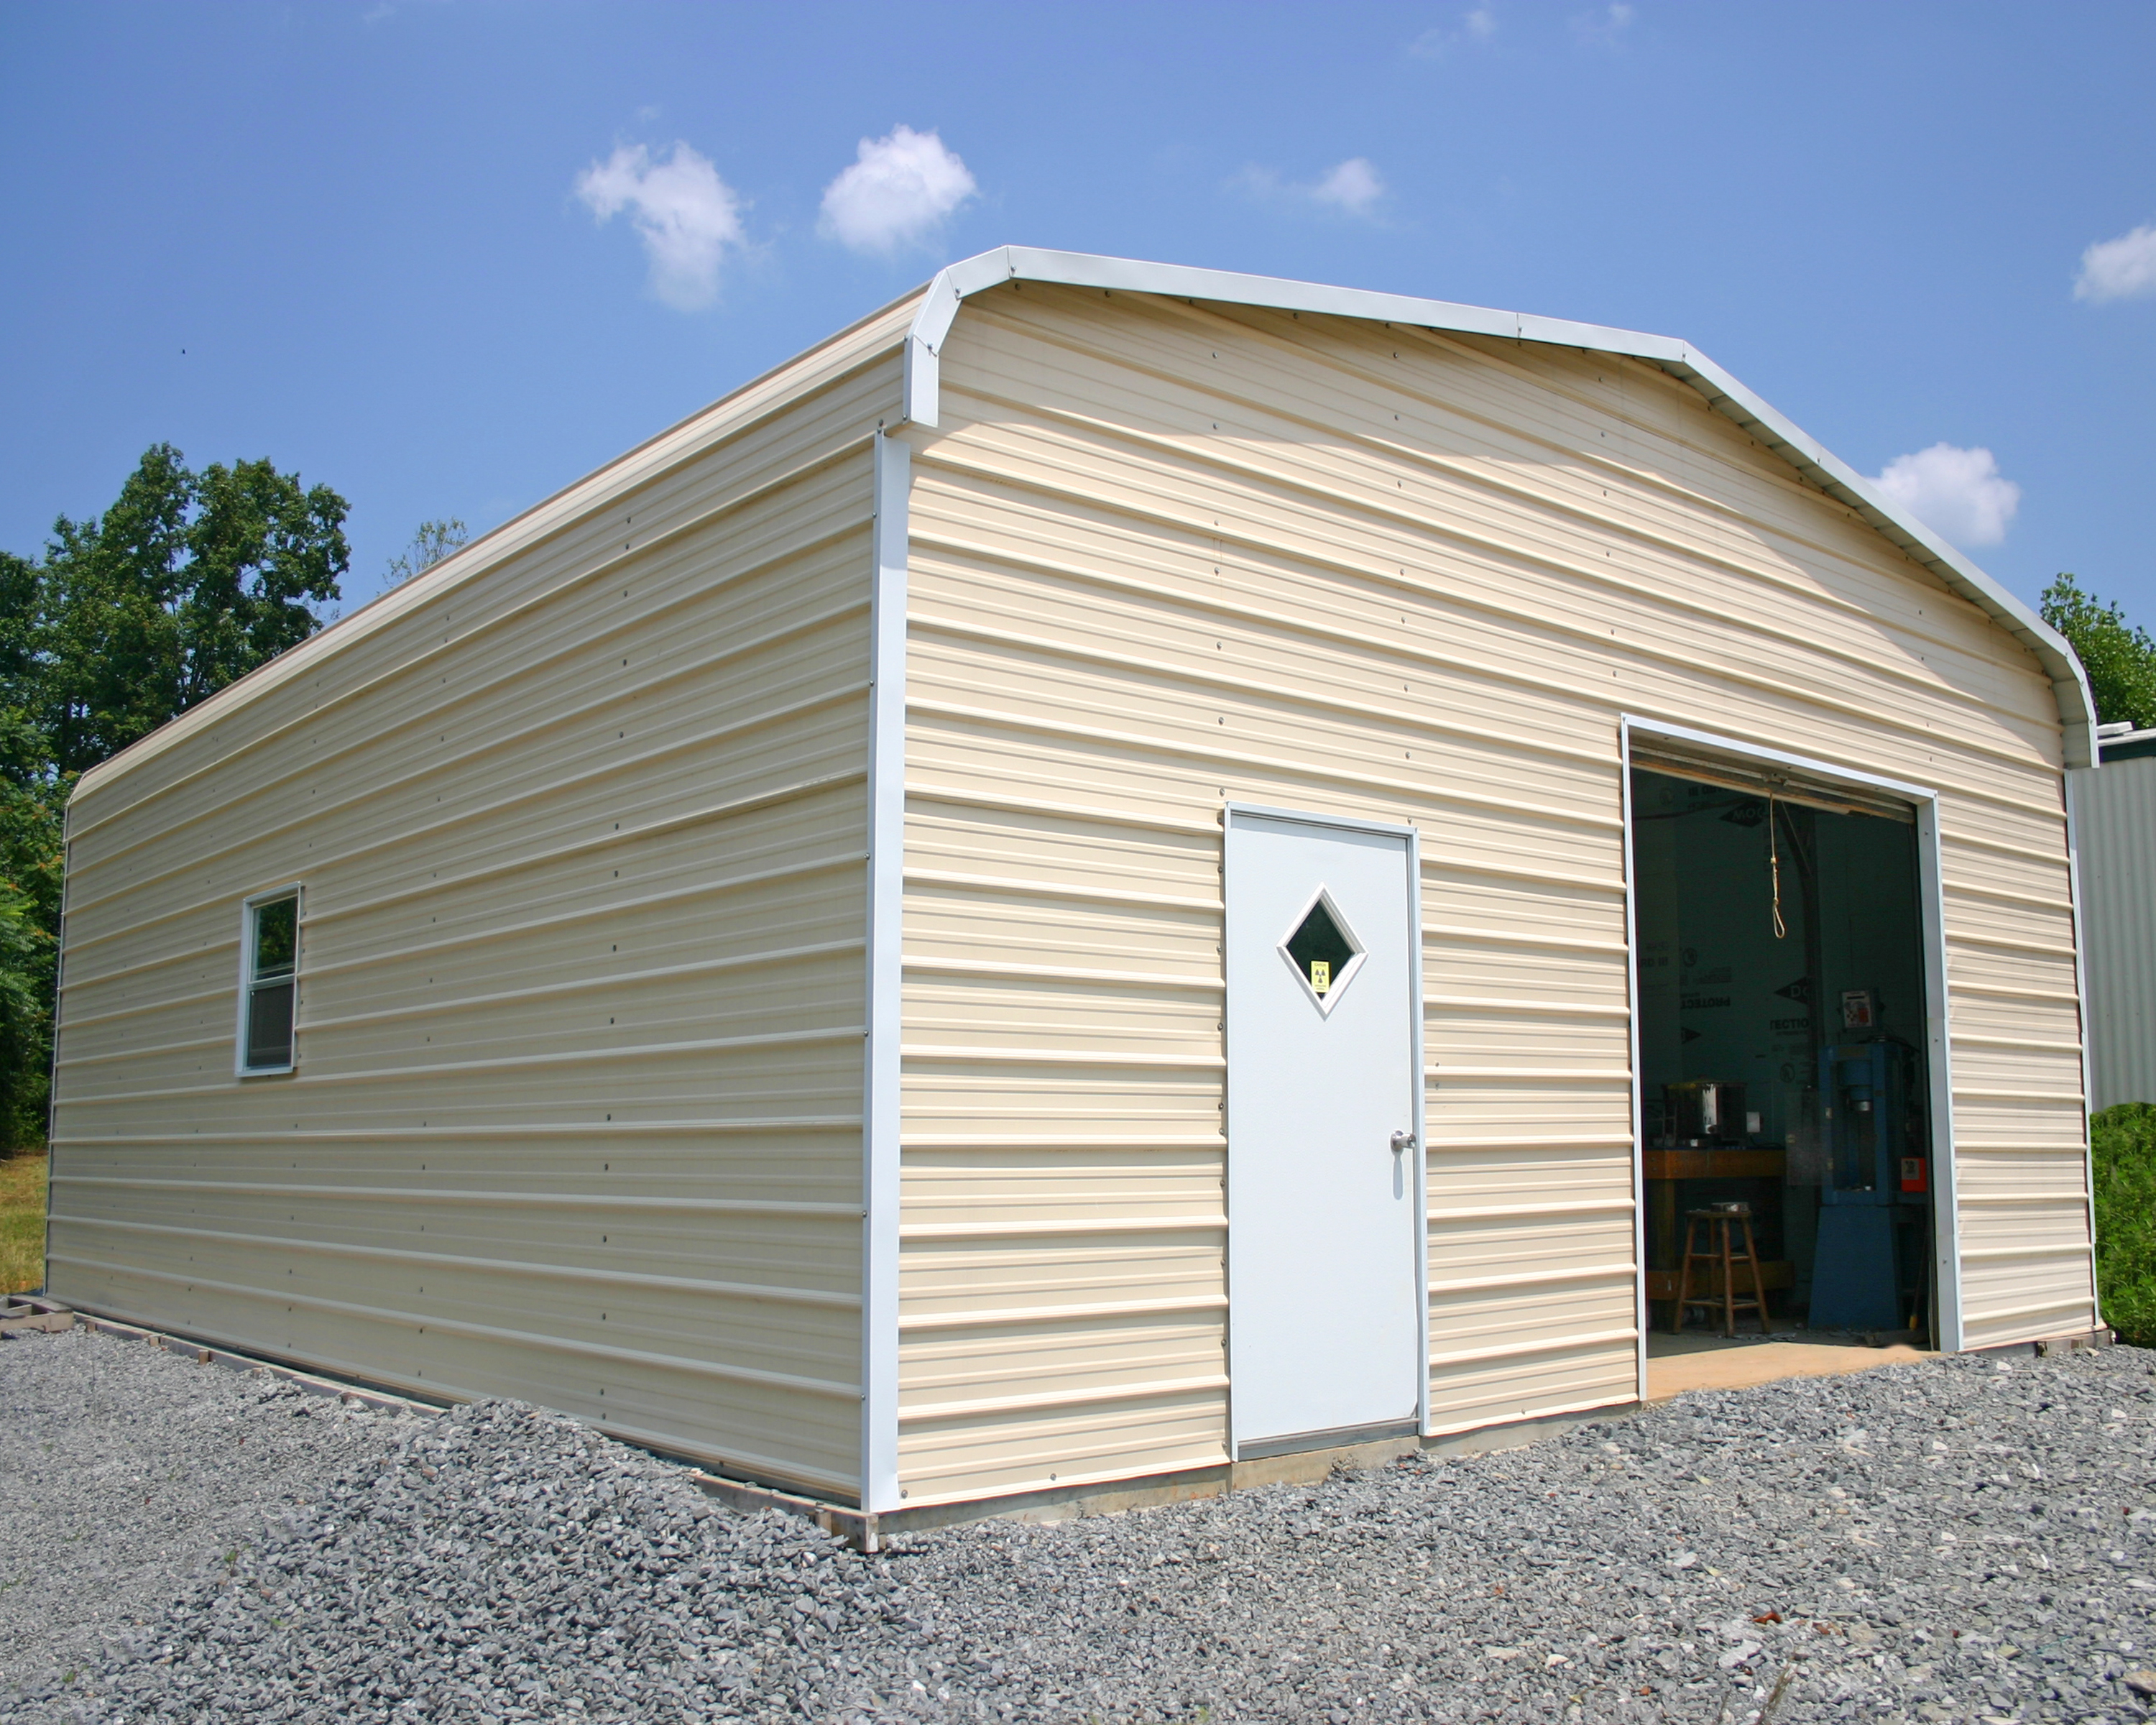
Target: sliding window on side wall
<point>269,981</point>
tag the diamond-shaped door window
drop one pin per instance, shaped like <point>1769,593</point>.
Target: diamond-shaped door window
<point>1323,951</point>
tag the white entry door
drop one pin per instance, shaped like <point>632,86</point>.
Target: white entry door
<point>1325,1285</point>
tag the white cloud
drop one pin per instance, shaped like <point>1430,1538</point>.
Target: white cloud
<point>898,192</point>
<point>1479,25</point>
<point>2120,268</point>
<point>1353,187</point>
<point>1957,492</point>
<point>685,214</point>
<point>1604,26</point>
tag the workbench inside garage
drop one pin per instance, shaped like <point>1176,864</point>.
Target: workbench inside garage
<point>1684,1178</point>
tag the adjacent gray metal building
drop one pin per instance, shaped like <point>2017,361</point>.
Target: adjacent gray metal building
<point>2114,815</point>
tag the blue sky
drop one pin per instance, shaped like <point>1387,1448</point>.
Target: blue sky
<point>366,240</point>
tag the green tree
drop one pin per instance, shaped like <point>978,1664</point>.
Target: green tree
<point>2119,658</point>
<point>32,797</point>
<point>25,750</point>
<point>27,970</point>
<point>431,543</point>
<point>187,583</point>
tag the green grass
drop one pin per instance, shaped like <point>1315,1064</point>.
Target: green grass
<point>2124,1140</point>
<point>22,1223</point>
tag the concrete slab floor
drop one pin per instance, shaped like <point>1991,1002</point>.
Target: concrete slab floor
<point>1699,1361</point>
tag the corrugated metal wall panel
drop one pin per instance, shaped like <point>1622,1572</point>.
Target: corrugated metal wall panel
<point>2116,808</point>
<point>1166,555</point>
<point>578,1110</point>
<point>531,553</point>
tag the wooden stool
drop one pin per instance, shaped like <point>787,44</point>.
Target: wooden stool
<point>1719,1224</point>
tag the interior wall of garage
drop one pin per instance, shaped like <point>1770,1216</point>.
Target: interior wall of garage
<point>581,819</point>
<point>1166,555</point>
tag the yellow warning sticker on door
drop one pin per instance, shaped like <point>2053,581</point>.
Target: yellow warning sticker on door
<point>1321,975</point>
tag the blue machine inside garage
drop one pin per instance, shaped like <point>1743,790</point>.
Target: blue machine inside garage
<point>1872,1239</point>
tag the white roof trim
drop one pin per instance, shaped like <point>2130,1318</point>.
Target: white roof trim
<point>939,309</point>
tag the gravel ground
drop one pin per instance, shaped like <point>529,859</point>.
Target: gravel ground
<point>125,1472</point>
<point>1965,1539</point>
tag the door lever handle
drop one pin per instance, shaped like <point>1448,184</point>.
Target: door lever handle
<point>1403,1141</point>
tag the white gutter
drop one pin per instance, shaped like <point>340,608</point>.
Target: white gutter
<point>939,309</point>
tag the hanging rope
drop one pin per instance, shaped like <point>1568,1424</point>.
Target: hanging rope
<point>1775,866</point>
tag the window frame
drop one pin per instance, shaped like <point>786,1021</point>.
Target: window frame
<point>250,907</point>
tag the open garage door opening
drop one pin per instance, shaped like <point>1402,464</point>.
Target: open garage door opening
<point>1783,1084</point>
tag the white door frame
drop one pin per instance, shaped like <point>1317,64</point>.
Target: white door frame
<point>1419,1040</point>
<point>1946,1213</point>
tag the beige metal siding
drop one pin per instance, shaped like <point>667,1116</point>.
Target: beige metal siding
<point>1167,554</point>
<point>581,825</point>
<point>2115,807</point>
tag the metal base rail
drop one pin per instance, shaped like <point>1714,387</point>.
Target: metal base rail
<point>29,1312</point>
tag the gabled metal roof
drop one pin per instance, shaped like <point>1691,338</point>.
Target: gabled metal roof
<point>939,309</point>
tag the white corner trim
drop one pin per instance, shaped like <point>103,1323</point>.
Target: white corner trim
<point>1419,1122</point>
<point>881,1091</point>
<point>1642,1312</point>
<point>1938,1061</point>
<point>2081,1019</point>
<point>939,309</point>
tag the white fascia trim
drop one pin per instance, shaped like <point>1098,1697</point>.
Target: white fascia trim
<point>886,887</point>
<point>939,309</point>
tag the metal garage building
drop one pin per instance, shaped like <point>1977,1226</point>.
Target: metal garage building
<point>1040,897</point>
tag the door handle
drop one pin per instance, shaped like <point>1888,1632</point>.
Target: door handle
<point>1403,1141</point>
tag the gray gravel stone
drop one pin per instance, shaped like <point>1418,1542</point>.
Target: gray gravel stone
<point>1960,1540</point>
<point>124,1472</point>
